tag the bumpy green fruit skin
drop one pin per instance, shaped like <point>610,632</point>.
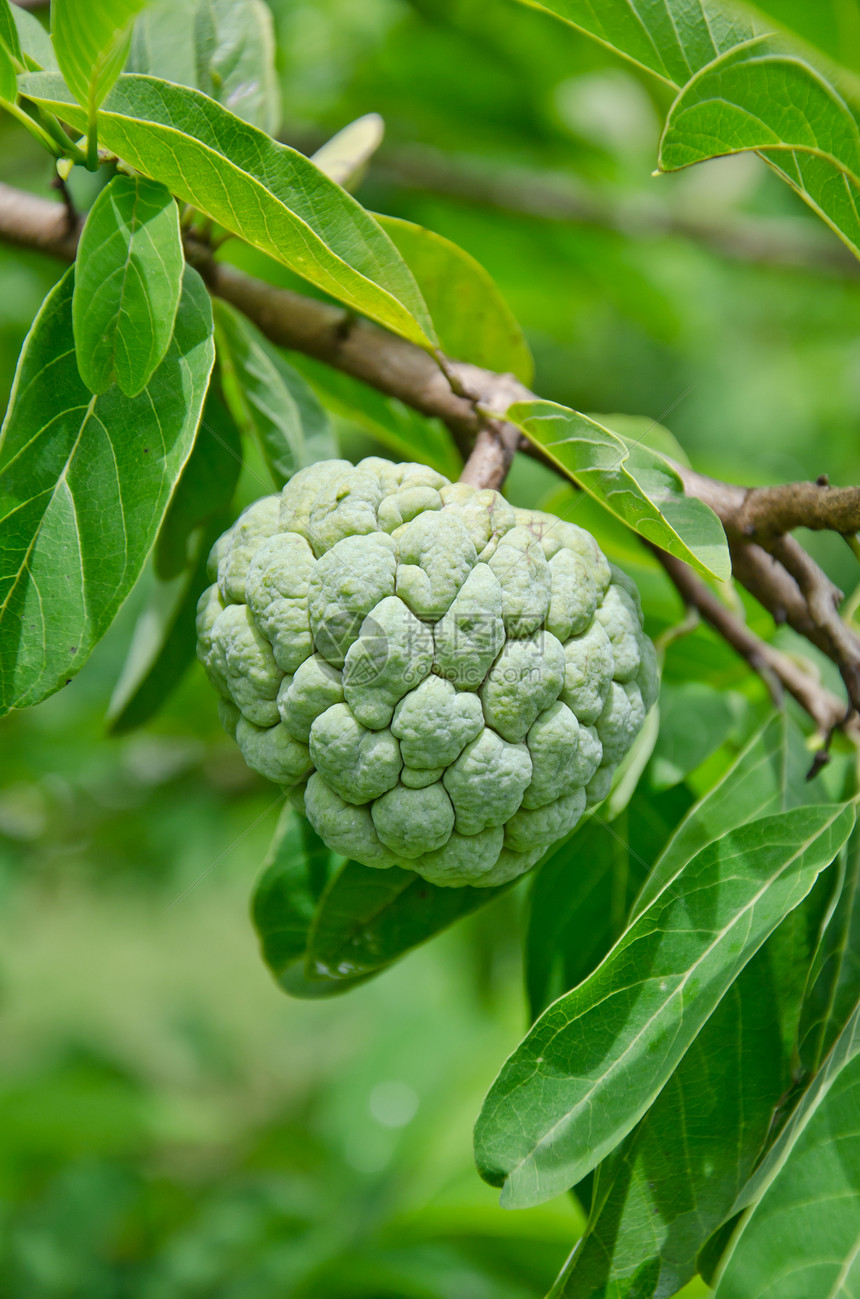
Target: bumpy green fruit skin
<point>441,681</point>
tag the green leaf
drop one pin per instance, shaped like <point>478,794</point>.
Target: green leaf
<point>268,399</point>
<point>9,34</point>
<point>264,192</point>
<point>402,431</point>
<point>235,42</point>
<point>128,277</point>
<point>285,899</point>
<point>205,488</point>
<point>164,640</point>
<point>35,42</point>
<point>345,156</point>
<point>639,430</point>
<point>84,484</point>
<point>831,25</point>
<point>91,40</point>
<point>567,1096</point>
<point>368,918</point>
<point>801,1237</point>
<point>629,771</point>
<point>162,43</point>
<point>768,776</point>
<point>680,747</point>
<point>163,644</point>
<point>741,92</point>
<point>671,38</point>
<point>835,984</point>
<point>472,319</point>
<point>636,484</point>
<point>225,48</point>
<point>582,893</point>
<point>766,97</point>
<point>8,77</point>
<point>677,1174</point>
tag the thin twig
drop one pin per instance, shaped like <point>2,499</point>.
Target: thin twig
<point>777,669</point>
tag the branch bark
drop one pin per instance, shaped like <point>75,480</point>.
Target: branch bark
<point>762,513</point>
<point>767,561</point>
<point>777,669</point>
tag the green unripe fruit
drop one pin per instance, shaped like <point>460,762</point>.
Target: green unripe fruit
<point>442,681</point>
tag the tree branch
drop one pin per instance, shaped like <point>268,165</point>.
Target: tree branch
<point>450,391</point>
<point>771,664</point>
<point>761,513</point>
<point>770,564</point>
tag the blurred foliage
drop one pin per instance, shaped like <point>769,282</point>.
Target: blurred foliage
<point>171,1124</point>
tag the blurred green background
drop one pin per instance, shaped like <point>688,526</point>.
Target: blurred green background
<point>170,1124</point>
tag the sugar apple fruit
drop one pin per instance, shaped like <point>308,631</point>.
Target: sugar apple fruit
<point>442,682</point>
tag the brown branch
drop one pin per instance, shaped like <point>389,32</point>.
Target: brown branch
<point>771,664</point>
<point>760,513</point>
<point>822,600</point>
<point>436,386</point>
<point>32,222</point>
<point>331,334</point>
<point>777,571</point>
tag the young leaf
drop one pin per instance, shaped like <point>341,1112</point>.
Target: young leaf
<point>128,277</point>
<point>472,319</point>
<point>235,46</point>
<point>800,1236</point>
<point>636,484</point>
<point>162,646</point>
<point>268,399</point>
<point>567,1096</point>
<point>268,194</point>
<point>84,483</point>
<point>285,899</point>
<point>672,39</point>
<point>762,96</point>
<point>366,919</point>
<point>345,156</point>
<point>205,488</point>
<point>91,40</point>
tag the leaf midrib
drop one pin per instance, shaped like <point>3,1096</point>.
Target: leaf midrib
<point>363,923</point>
<point>677,991</point>
<point>62,479</point>
<point>258,188</point>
